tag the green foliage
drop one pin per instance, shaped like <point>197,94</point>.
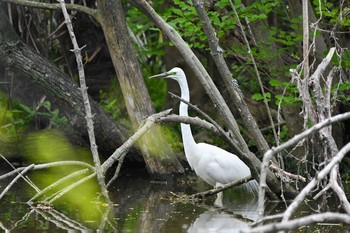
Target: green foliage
<point>112,100</point>
<point>20,117</point>
<point>51,114</point>
<point>51,146</point>
<point>343,60</point>
<point>340,91</point>
<point>157,88</point>
<point>258,96</point>
<point>332,13</point>
<point>148,39</point>
<point>290,96</point>
<point>286,38</point>
<point>283,41</point>
<point>131,220</point>
<point>183,17</point>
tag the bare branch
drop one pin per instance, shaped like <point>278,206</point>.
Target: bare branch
<point>231,83</point>
<point>222,188</point>
<point>306,191</point>
<point>287,174</point>
<point>56,183</point>
<point>47,165</point>
<point>297,138</point>
<point>83,88</point>
<point>232,142</point>
<point>15,179</point>
<point>122,150</point>
<point>56,6</point>
<point>190,120</point>
<point>304,221</point>
<point>70,187</point>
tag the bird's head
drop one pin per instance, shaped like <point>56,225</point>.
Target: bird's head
<point>175,73</point>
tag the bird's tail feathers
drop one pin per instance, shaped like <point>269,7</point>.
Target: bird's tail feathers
<point>252,186</point>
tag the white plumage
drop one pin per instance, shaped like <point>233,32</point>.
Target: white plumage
<point>211,163</point>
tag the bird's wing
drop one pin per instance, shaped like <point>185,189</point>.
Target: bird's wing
<point>222,166</point>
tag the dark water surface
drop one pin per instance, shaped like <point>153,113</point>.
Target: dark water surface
<point>142,204</point>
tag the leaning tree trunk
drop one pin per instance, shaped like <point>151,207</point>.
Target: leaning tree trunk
<point>158,155</point>
<point>58,87</point>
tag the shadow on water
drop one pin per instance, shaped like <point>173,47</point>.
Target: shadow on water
<point>143,204</point>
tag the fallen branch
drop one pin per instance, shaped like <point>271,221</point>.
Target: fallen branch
<point>327,217</point>
<point>309,187</point>
<point>15,179</point>
<point>47,165</point>
<point>70,187</point>
<point>221,188</point>
<point>58,219</point>
<point>56,183</point>
<point>296,139</point>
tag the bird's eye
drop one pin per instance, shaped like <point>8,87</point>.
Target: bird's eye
<point>172,73</point>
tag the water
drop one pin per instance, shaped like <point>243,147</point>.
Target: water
<point>142,204</point>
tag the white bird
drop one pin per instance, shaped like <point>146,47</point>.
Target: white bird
<point>211,163</point>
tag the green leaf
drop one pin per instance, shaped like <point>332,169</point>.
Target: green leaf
<point>275,83</point>
<point>177,12</point>
<point>257,96</point>
<point>26,108</point>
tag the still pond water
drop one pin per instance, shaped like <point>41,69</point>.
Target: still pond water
<point>142,204</point>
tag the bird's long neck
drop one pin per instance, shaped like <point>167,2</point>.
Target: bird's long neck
<point>187,137</point>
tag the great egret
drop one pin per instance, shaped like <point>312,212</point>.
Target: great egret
<point>213,164</point>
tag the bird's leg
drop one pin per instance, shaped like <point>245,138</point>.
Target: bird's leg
<point>218,201</point>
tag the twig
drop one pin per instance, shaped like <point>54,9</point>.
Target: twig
<point>266,218</point>
<point>273,167</point>
<point>15,179</point>
<point>338,190</point>
<point>25,178</point>
<point>60,220</point>
<point>4,228</point>
<point>308,110</point>
<point>89,117</point>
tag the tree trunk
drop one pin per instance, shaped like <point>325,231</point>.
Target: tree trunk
<point>60,90</point>
<point>159,157</point>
